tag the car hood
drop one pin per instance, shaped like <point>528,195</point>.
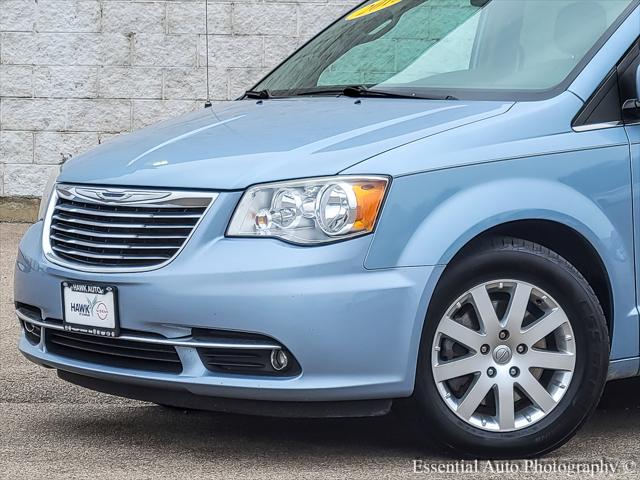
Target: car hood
<point>236,144</point>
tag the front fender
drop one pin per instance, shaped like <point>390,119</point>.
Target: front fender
<point>468,213</point>
<point>430,216</point>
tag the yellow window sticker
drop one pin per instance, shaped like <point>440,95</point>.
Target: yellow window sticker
<point>372,8</point>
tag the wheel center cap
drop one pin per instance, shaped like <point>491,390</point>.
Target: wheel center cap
<point>502,354</point>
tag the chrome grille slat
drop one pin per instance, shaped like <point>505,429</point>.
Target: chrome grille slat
<point>107,229</point>
<point>75,220</point>
<point>85,243</point>
<point>109,256</point>
<point>92,233</point>
<point>120,214</point>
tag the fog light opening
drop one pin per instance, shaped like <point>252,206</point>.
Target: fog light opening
<point>279,359</point>
<point>32,332</point>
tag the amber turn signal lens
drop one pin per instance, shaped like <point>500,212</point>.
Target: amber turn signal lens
<point>369,197</point>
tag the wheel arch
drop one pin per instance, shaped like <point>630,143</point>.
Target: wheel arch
<point>566,242</point>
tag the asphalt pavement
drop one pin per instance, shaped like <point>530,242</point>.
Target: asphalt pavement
<point>51,429</point>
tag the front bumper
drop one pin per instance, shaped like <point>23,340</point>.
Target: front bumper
<point>354,332</point>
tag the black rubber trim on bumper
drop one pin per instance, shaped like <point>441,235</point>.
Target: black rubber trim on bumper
<point>184,399</point>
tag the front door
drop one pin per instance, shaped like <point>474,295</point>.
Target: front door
<point>627,74</point>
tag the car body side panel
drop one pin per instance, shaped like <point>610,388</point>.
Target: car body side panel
<point>588,190</point>
<point>633,132</point>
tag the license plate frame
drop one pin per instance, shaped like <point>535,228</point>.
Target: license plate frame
<point>96,314</point>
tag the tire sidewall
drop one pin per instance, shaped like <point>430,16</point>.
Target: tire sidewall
<point>575,297</point>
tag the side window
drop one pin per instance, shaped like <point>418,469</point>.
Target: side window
<point>627,73</point>
<point>605,106</point>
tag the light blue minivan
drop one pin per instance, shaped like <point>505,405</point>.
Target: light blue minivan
<point>433,204</point>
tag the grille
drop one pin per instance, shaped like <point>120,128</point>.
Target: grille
<point>96,227</point>
<point>113,351</point>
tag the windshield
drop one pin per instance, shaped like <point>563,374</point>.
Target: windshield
<point>458,48</point>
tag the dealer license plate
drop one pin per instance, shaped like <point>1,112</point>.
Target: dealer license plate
<point>90,308</point>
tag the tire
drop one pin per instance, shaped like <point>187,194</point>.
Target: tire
<point>535,430</point>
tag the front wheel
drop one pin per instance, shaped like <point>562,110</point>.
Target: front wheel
<point>514,353</point>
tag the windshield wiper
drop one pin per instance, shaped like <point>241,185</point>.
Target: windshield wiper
<point>362,91</point>
<point>348,91</point>
<point>260,94</point>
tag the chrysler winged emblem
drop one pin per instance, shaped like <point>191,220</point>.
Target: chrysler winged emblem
<point>115,195</point>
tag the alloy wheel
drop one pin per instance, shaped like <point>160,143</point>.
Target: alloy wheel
<point>503,355</point>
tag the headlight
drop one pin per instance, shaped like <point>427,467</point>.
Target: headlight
<point>312,211</point>
<point>47,193</point>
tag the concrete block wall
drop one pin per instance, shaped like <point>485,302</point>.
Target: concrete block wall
<point>74,73</point>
